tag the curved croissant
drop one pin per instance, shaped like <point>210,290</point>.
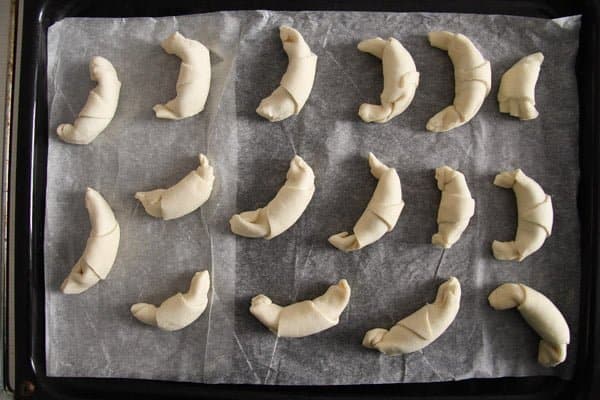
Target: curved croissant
<point>297,82</point>
<point>306,317</point>
<point>516,95</point>
<point>400,79</point>
<point>472,80</point>
<point>535,218</point>
<point>182,198</point>
<point>456,207</point>
<point>99,108</point>
<point>283,210</point>
<point>541,314</point>
<point>381,213</point>
<point>420,328</point>
<point>179,310</point>
<point>193,82</point>
<point>100,250</point>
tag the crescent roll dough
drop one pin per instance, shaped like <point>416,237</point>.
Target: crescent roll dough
<point>284,210</point>
<point>535,216</point>
<point>100,250</point>
<point>297,82</point>
<point>193,82</point>
<point>182,198</point>
<point>99,108</point>
<point>306,317</point>
<point>456,207</point>
<point>541,314</point>
<point>179,310</point>
<point>400,79</point>
<point>381,213</point>
<point>472,80</point>
<point>516,95</point>
<point>420,328</point>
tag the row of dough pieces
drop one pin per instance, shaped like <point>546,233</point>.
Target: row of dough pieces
<point>472,75</point>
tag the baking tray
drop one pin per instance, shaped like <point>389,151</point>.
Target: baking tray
<point>26,214</point>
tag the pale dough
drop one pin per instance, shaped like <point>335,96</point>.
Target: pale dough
<point>283,210</point>
<point>535,216</point>
<point>456,206</point>
<point>541,314</point>
<point>306,317</point>
<point>472,80</point>
<point>400,79</point>
<point>381,213</point>
<point>420,328</point>
<point>516,95</point>
<point>184,197</point>
<point>99,108</point>
<point>179,310</point>
<point>193,82</point>
<point>297,82</point>
<point>100,250</point>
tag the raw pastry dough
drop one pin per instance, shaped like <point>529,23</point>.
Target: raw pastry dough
<point>456,206</point>
<point>284,210</point>
<point>400,79</point>
<point>179,310</point>
<point>472,80</point>
<point>297,82</point>
<point>422,327</point>
<point>306,317</point>
<point>516,95</point>
<point>99,108</point>
<point>101,249</point>
<point>182,198</point>
<point>541,314</point>
<point>381,213</point>
<point>535,216</point>
<point>193,82</point>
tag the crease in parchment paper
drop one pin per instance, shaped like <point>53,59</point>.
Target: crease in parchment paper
<point>389,279</point>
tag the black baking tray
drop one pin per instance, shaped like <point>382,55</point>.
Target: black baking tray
<point>28,208</point>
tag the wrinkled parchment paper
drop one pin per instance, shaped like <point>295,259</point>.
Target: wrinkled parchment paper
<point>94,334</point>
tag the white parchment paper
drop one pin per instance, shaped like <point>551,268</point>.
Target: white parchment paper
<point>94,335</point>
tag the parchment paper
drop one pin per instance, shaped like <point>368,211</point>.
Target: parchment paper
<point>94,334</point>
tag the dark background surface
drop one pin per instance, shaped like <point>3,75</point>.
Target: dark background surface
<point>28,211</point>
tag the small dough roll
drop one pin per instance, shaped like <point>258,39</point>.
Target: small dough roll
<point>284,210</point>
<point>186,196</point>
<point>297,82</point>
<point>381,213</point>
<point>193,82</point>
<point>535,216</point>
<point>541,314</point>
<point>99,108</point>
<point>306,317</point>
<point>516,95</point>
<point>456,206</point>
<point>422,327</point>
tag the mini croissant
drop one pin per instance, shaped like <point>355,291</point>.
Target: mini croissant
<point>516,95</point>
<point>422,327</point>
<point>306,317</point>
<point>184,197</point>
<point>283,210</point>
<point>381,213</point>
<point>535,216</point>
<point>193,82</point>
<point>297,82</point>
<point>99,108</point>
<point>456,207</point>
<point>472,80</point>
<point>100,250</point>
<point>400,79</point>
<point>541,314</point>
<point>179,310</point>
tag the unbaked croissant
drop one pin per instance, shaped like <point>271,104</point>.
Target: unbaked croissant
<point>516,95</point>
